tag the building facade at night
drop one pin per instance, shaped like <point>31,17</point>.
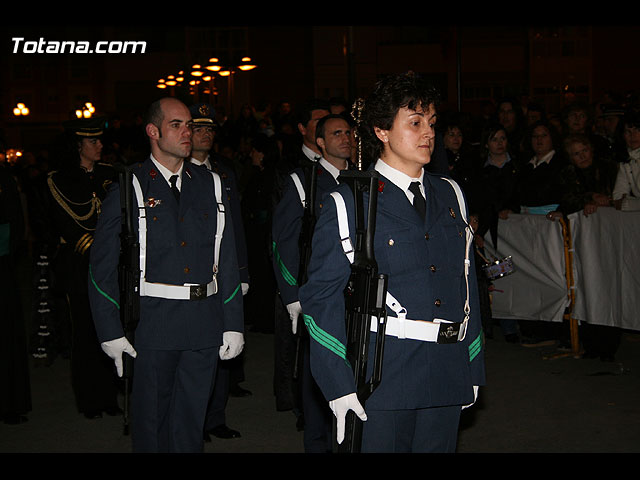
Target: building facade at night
<point>470,65</point>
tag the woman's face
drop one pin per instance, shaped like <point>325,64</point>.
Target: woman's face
<point>541,141</point>
<point>90,150</point>
<point>453,139</point>
<point>497,144</point>
<point>408,145</point>
<point>581,155</point>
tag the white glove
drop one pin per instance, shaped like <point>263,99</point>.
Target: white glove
<point>245,288</point>
<point>475,397</point>
<point>294,309</point>
<point>340,407</point>
<point>115,349</point>
<point>232,345</point>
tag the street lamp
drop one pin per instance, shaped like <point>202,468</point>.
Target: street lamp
<point>86,111</point>
<point>246,64</point>
<point>199,74</point>
<point>21,110</point>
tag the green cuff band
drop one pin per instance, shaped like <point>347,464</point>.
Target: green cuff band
<point>324,339</point>
<point>475,347</point>
<point>233,294</point>
<point>290,279</point>
<point>100,291</point>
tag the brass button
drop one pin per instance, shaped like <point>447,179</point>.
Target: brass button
<point>391,242</point>
<point>186,269</point>
<point>183,243</point>
<point>181,219</point>
<point>432,268</point>
<point>437,302</point>
<point>426,236</point>
<point>155,218</point>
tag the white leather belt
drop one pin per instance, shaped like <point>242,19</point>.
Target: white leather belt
<point>179,292</point>
<point>438,331</point>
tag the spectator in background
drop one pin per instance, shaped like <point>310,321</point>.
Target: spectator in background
<point>493,195</point>
<point>460,157</point>
<point>587,185</point>
<point>578,117</point>
<point>587,181</point>
<point>626,192</point>
<point>612,130</point>
<point>539,185</point>
<point>535,113</point>
<point>510,116</point>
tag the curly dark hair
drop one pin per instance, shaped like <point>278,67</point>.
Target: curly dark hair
<point>389,95</point>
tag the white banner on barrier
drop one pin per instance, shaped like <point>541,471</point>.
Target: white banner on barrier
<point>537,290</point>
<point>606,261</point>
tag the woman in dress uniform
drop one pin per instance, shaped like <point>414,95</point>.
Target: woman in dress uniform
<point>76,192</point>
<point>433,357</point>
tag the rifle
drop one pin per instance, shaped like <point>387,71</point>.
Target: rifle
<point>365,296</point>
<point>304,248</point>
<point>129,279</point>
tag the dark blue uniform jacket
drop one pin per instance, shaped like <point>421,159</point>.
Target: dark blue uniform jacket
<point>286,227</point>
<point>180,250</point>
<point>424,261</point>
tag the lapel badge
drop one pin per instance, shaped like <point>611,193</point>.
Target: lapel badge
<point>152,202</point>
<point>380,185</point>
<point>452,213</point>
<point>153,174</point>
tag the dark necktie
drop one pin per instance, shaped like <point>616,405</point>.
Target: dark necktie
<point>418,200</point>
<point>174,187</point>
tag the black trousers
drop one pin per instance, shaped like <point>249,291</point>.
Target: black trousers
<point>169,398</point>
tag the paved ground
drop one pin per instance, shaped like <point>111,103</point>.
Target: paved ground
<point>538,400</point>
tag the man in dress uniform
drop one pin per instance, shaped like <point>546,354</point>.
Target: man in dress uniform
<point>433,360</point>
<point>203,135</point>
<point>333,134</point>
<point>75,193</point>
<point>190,292</point>
<point>286,388</point>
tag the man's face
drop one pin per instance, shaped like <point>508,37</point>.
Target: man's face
<point>507,115</point>
<point>202,137</point>
<point>610,124</point>
<point>308,131</point>
<point>409,143</point>
<point>577,121</point>
<point>336,143</point>
<point>175,128</point>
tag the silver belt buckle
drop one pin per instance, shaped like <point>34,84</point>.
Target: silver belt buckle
<point>197,292</point>
<point>449,332</point>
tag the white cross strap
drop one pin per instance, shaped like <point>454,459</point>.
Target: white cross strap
<point>179,292</point>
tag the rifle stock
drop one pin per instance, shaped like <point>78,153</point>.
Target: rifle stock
<point>129,280</point>
<point>365,302</point>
